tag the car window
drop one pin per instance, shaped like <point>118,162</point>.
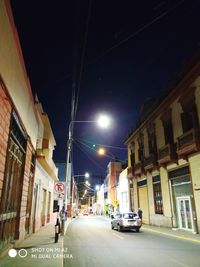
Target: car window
<point>129,215</point>
<point>118,216</point>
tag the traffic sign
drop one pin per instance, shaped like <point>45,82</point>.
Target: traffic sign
<point>59,187</point>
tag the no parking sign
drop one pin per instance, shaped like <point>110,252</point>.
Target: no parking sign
<point>59,187</point>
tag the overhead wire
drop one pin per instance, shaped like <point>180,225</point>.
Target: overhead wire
<point>93,161</point>
<point>131,36</point>
<point>142,28</point>
<point>76,84</point>
<point>83,55</point>
<point>104,145</point>
<point>93,149</point>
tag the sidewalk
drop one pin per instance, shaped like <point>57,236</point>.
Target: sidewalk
<point>175,232</point>
<point>38,250</point>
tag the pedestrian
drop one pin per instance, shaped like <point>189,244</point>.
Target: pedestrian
<point>62,214</point>
<point>140,213</point>
<point>57,230</point>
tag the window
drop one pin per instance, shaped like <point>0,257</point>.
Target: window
<point>13,182</point>
<point>130,215</point>
<point>189,119</point>
<point>166,119</point>
<point>132,153</point>
<point>158,203</point>
<point>152,143</point>
<point>141,147</point>
<point>168,132</point>
<point>132,159</point>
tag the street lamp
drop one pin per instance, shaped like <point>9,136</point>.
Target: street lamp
<point>86,175</point>
<point>97,187</point>
<point>87,183</point>
<point>102,152</point>
<point>103,121</point>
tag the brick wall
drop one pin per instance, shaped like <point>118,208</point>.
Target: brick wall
<point>26,183</point>
<point>5,114</point>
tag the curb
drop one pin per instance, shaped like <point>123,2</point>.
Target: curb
<point>172,235</point>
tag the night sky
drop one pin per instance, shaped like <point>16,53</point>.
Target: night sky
<point>134,51</point>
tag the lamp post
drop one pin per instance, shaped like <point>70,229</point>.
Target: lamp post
<point>86,175</point>
<point>102,152</point>
<point>103,121</point>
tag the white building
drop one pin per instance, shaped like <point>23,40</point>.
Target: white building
<point>123,192</point>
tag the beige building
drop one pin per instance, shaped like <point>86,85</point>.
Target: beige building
<point>17,136</point>
<point>113,170</point>
<point>46,172</point>
<point>164,156</point>
<point>22,131</point>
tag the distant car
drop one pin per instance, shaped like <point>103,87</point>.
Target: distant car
<point>126,221</point>
<point>85,213</point>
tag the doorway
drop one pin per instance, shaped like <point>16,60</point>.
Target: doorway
<point>185,215</point>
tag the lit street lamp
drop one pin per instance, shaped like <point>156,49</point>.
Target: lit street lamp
<point>102,152</point>
<point>103,121</point>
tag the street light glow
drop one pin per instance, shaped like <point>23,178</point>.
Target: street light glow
<point>87,183</point>
<point>87,175</point>
<point>101,151</point>
<point>97,187</point>
<point>103,121</point>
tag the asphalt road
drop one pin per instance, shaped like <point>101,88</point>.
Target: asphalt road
<point>90,242</point>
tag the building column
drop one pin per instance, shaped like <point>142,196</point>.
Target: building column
<point>166,197</point>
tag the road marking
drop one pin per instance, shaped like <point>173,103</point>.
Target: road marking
<point>118,236</point>
<point>172,235</point>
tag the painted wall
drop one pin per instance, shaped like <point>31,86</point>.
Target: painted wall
<point>45,182</point>
<point>13,72</point>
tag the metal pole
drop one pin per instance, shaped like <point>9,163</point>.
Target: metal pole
<point>66,176</point>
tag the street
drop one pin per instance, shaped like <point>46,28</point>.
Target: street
<point>90,242</point>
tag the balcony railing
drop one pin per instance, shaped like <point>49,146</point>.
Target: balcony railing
<point>188,143</point>
<point>166,154</point>
<point>150,162</point>
<point>138,167</point>
<point>130,172</point>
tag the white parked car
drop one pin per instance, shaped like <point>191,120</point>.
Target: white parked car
<point>126,220</point>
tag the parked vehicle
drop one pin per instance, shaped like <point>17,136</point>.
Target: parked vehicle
<point>85,213</point>
<point>126,221</point>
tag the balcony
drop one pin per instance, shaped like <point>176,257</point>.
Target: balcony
<point>166,154</point>
<point>150,162</point>
<point>130,172</point>
<point>138,168</point>
<point>188,143</point>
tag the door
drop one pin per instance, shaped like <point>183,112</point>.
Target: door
<point>143,203</point>
<point>49,207</point>
<point>185,216</point>
<point>43,217</point>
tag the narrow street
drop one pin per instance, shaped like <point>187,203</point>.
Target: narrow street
<point>91,243</point>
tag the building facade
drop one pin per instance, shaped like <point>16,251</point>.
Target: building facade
<point>20,138</point>
<point>46,173</point>
<point>113,170</point>
<point>17,136</point>
<point>164,157</point>
<point>123,192</point>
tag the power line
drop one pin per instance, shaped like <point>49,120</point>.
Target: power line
<point>142,28</point>
<point>98,165</point>
<point>83,54</point>
<point>91,148</point>
<point>131,35</point>
<point>90,142</point>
